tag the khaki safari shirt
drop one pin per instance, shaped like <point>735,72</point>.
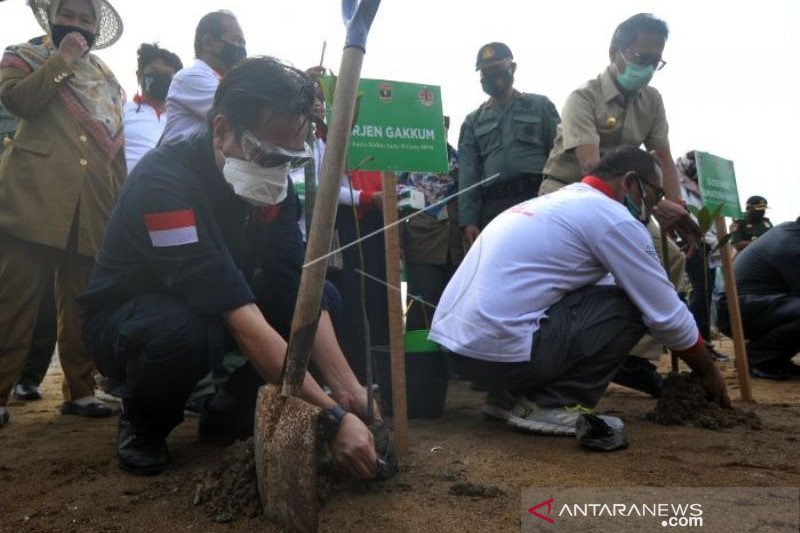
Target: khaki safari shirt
<point>513,141</point>
<point>598,113</point>
<point>53,168</point>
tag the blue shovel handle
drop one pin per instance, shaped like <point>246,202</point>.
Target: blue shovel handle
<point>358,16</point>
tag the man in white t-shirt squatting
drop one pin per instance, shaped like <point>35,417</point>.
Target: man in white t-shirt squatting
<point>534,307</point>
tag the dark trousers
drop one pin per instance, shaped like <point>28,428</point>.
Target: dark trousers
<point>491,207</point>
<point>45,335</point>
<point>702,279</point>
<point>772,325</point>
<point>160,349</point>
<point>426,282</point>
<point>576,351</point>
<point>350,326</point>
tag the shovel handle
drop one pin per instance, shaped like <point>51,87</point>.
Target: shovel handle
<point>312,280</point>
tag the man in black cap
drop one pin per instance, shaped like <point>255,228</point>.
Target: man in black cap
<point>752,226</point>
<point>510,134</point>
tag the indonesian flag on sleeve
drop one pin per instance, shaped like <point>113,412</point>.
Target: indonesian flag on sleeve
<point>171,228</point>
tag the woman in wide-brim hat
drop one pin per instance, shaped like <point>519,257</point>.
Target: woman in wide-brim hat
<point>59,179</point>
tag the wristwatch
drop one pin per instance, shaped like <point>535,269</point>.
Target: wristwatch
<point>332,419</point>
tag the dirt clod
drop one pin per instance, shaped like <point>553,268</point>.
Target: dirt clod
<point>230,490</point>
<point>683,403</point>
<point>475,490</point>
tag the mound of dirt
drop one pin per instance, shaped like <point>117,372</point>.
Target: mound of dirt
<point>683,403</point>
<point>475,490</point>
<point>230,490</point>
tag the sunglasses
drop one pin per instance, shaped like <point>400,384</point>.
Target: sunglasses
<point>268,155</point>
<point>660,193</point>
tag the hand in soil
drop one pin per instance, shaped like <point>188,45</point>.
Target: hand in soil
<point>716,391</point>
<point>353,448</point>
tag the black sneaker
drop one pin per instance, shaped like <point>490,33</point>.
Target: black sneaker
<point>141,454</point>
<point>774,373</point>
<point>27,392</point>
<point>640,374</point>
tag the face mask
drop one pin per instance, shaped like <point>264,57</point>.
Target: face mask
<point>59,31</point>
<point>232,54</point>
<point>496,83</point>
<point>634,77</point>
<point>256,185</point>
<point>638,211</point>
<point>755,215</point>
<point>156,85</point>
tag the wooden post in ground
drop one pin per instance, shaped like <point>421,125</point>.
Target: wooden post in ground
<point>398,360</point>
<point>732,295</point>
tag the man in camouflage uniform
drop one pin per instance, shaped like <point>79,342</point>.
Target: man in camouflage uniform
<point>510,134</point>
<point>745,230</point>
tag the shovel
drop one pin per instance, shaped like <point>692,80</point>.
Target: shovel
<point>287,429</point>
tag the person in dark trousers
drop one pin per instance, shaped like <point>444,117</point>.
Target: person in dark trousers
<point>170,295</point>
<point>767,275</point>
<point>533,310</point>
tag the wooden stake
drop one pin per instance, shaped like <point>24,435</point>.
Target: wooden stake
<point>732,295</point>
<point>398,360</point>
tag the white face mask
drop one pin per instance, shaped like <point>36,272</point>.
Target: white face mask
<point>257,185</point>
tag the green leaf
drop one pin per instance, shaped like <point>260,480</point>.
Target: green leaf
<point>722,242</point>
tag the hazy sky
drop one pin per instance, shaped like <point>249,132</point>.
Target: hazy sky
<point>731,85</point>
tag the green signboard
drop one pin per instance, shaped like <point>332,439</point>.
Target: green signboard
<point>399,127</point>
<point>718,184</point>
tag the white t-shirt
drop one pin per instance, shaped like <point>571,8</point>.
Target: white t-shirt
<point>532,255</point>
<point>190,97</point>
<point>143,129</point>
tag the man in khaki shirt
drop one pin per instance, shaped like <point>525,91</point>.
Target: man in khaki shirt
<point>615,109</point>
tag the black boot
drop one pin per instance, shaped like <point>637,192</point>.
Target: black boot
<point>141,454</point>
<point>640,374</point>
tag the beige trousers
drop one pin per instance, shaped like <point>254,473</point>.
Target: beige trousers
<point>24,267</point>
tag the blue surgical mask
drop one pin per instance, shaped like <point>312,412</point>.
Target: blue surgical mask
<point>634,77</point>
<point>638,211</point>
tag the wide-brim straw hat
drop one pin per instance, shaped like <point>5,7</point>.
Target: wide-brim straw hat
<point>109,23</point>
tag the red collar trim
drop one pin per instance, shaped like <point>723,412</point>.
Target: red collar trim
<point>600,185</point>
<point>157,106</point>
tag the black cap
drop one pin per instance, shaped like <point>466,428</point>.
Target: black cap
<point>491,54</point>
<point>759,203</point>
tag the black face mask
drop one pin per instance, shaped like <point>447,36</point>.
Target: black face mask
<point>232,54</point>
<point>156,85</point>
<point>496,83</point>
<point>59,31</point>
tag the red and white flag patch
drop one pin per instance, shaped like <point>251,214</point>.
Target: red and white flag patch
<point>172,228</point>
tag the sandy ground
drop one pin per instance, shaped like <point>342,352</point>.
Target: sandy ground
<point>58,473</point>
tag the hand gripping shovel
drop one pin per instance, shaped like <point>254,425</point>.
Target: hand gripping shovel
<point>286,427</point>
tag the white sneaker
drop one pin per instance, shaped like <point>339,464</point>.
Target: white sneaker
<point>528,416</point>
<point>498,404</point>
<point>4,416</point>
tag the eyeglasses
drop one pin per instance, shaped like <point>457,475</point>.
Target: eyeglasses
<point>268,155</point>
<point>660,193</point>
<point>645,60</point>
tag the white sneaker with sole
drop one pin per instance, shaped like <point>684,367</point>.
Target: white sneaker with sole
<point>498,405</point>
<point>528,416</point>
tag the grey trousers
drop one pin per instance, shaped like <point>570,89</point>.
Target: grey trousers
<point>576,352</point>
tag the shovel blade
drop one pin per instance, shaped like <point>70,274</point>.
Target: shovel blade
<point>286,459</point>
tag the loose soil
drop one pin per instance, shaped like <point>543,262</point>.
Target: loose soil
<point>59,473</point>
<point>683,403</point>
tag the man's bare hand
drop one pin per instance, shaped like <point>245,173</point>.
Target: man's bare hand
<point>316,72</point>
<point>716,391</point>
<point>354,448</point>
<point>470,234</point>
<point>674,218</point>
<point>72,47</point>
